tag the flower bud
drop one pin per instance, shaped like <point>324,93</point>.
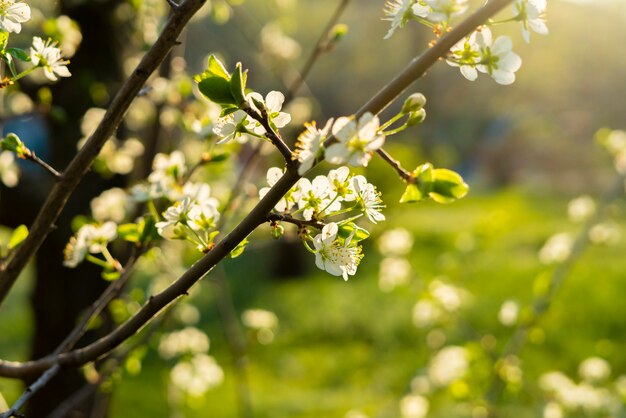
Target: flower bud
<point>416,117</point>
<point>338,32</point>
<point>277,231</point>
<point>413,103</point>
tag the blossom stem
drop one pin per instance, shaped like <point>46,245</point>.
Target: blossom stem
<point>274,137</point>
<point>34,158</point>
<point>390,121</point>
<point>25,73</point>
<point>395,131</point>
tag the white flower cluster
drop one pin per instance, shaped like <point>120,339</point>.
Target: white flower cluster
<point>477,52</point>
<point>238,124</point>
<point>193,212</point>
<point>9,170</point>
<point>188,340</point>
<point>480,53</point>
<point>115,156</point>
<point>395,270</point>
<point>595,395</point>
<point>439,304</point>
<point>196,376</point>
<point>356,141</point>
<point>43,54</point>
<point>325,197</point>
<point>92,238</point>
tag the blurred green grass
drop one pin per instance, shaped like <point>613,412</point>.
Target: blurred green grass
<point>348,345</point>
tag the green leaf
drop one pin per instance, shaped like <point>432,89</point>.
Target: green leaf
<point>238,84</point>
<point>227,110</point>
<point>10,63</point>
<point>148,230</point>
<point>128,232</point>
<point>219,157</point>
<point>238,250</point>
<point>350,228</point>
<point>19,54</point>
<point>217,68</point>
<point>217,89</point>
<point>448,186</point>
<point>18,236</point>
<point>11,143</point>
<point>411,194</point>
<point>420,189</point>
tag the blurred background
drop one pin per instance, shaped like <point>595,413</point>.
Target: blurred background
<point>442,288</point>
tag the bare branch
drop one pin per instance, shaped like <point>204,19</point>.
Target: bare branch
<point>320,47</point>
<point>30,391</point>
<point>34,158</point>
<point>77,168</point>
<point>274,137</point>
<point>406,176</point>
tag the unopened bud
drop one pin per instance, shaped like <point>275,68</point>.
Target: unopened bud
<point>413,103</point>
<point>338,32</point>
<point>277,231</point>
<point>417,117</point>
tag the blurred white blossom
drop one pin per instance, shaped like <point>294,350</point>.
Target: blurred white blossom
<point>581,208</point>
<point>414,406</point>
<point>556,249</point>
<point>188,340</point>
<point>448,365</point>
<point>395,242</point>
<point>9,171</point>
<point>197,376</point>
<point>509,312</point>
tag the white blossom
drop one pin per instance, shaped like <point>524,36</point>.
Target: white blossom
<point>444,10</point>
<point>532,14</point>
<point>338,259</point>
<point>448,365</point>
<point>177,217</point>
<point>369,198</point>
<point>13,14</point>
<point>188,340</point>
<point>594,369</point>
<point>395,242</point>
<point>556,249</point>
<point>356,140</point>
<point>465,54</point>
<point>287,201</point>
<point>340,184</point>
<point>314,197</point>
<point>9,171</point>
<point>497,58</point>
<point>414,406</point>
<point>110,205</point>
<point>273,103</point>
<point>233,126</point>
<point>197,376</point>
<point>309,145</point>
<point>89,238</point>
<point>508,314</point>
<point>399,12</point>
<point>393,272</point>
<point>48,56</point>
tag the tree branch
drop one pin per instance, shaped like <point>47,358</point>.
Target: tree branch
<point>257,216</point>
<point>79,166</point>
<point>277,217</point>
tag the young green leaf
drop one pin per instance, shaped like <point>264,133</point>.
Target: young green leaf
<point>238,84</point>
<point>238,250</point>
<point>19,54</point>
<point>217,89</point>
<point>350,228</point>
<point>18,236</point>
<point>448,186</point>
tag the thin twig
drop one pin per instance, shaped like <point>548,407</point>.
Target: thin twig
<point>395,164</point>
<point>321,46</point>
<point>263,118</point>
<point>79,330</point>
<point>559,274</point>
<point>254,218</point>
<point>30,391</point>
<point>34,158</point>
<point>78,167</point>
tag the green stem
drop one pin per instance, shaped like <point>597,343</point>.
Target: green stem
<point>390,121</point>
<point>25,73</point>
